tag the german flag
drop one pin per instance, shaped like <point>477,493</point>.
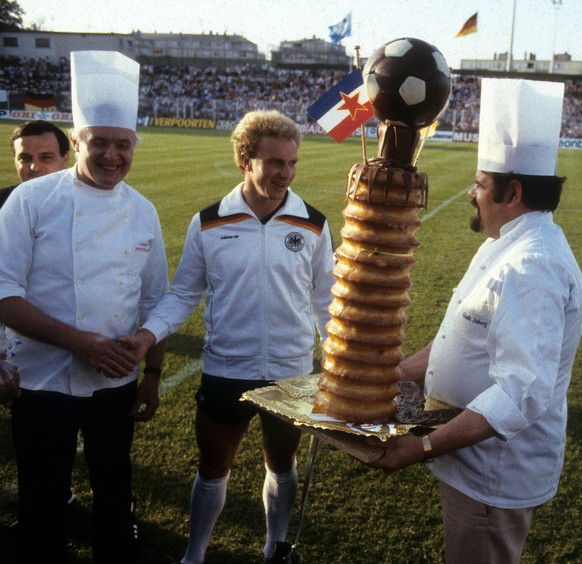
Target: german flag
<point>37,102</point>
<point>470,26</point>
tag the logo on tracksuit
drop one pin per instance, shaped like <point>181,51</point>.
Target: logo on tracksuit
<point>294,241</point>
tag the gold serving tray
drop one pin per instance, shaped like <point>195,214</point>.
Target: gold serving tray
<point>292,399</point>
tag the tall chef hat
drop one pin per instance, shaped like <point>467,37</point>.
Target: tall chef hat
<point>519,126</point>
<point>104,89</point>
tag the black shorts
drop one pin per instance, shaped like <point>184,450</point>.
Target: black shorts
<point>219,399</point>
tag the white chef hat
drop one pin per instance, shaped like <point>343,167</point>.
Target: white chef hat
<point>519,126</point>
<point>104,89</point>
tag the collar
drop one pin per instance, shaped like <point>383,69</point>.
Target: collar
<point>234,203</point>
<point>529,219</point>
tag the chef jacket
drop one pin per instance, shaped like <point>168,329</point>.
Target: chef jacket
<point>505,350</point>
<point>91,258</point>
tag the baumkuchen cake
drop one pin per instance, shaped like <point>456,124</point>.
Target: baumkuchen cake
<point>409,84</point>
<point>365,333</point>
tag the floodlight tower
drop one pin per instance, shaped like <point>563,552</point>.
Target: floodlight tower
<point>510,51</point>
<point>557,4</point>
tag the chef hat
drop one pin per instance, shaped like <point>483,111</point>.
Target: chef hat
<point>519,126</point>
<point>104,89</point>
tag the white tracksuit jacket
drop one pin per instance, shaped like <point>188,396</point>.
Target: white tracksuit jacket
<point>267,287</point>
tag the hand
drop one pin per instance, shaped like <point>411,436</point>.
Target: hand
<point>147,400</point>
<point>106,355</point>
<point>399,452</point>
<point>138,344</point>
<point>9,383</point>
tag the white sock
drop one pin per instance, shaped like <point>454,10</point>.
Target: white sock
<point>279,491</point>
<point>207,501</point>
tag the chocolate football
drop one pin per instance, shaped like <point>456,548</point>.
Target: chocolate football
<point>408,82</point>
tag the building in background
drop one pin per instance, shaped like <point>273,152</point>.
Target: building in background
<point>202,49</point>
<point>213,49</point>
<point>310,53</point>
<point>54,46</point>
<point>561,65</point>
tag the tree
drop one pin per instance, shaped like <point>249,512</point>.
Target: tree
<point>10,13</point>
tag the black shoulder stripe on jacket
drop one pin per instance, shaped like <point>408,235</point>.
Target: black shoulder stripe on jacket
<point>314,222</point>
<point>315,216</point>
<point>209,217</point>
<point>210,213</point>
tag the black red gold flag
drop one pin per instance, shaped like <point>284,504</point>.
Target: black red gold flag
<point>37,102</point>
<point>470,26</point>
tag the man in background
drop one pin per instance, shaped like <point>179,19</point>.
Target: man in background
<point>39,148</point>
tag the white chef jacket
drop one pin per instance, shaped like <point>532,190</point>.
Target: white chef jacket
<point>505,350</point>
<point>91,258</point>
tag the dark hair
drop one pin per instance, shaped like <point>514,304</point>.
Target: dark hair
<point>539,193</point>
<point>38,127</point>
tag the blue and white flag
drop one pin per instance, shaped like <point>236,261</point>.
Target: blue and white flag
<point>341,29</point>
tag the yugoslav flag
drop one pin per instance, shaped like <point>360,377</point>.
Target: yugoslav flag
<point>341,110</point>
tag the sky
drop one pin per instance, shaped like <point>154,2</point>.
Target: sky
<point>541,27</point>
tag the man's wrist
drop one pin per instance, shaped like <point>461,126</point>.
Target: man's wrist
<point>428,455</point>
<point>152,370</point>
<point>148,335</point>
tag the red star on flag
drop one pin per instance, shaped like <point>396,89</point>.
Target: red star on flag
<point>352,104</point>
<point>349,95</point>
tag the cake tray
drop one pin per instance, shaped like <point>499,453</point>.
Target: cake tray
<point>291,399</point>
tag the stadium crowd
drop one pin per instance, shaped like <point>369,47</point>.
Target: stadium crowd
<point>227,93</point>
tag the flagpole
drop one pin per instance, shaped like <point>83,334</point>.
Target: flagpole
<point>363,126</point>
<point>557,4</point>
<point>510,53</point>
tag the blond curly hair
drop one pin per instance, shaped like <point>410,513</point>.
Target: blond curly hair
<point>258,124</point>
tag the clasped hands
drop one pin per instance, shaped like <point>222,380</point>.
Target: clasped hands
<point>114,358</point>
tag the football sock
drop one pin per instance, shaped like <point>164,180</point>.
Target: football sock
<point>279,492</point>
<point>207,501</point>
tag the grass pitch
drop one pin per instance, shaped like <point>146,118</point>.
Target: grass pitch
<point>354,514</point>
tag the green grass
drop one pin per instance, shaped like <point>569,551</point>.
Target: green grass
<point>355,514</point>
